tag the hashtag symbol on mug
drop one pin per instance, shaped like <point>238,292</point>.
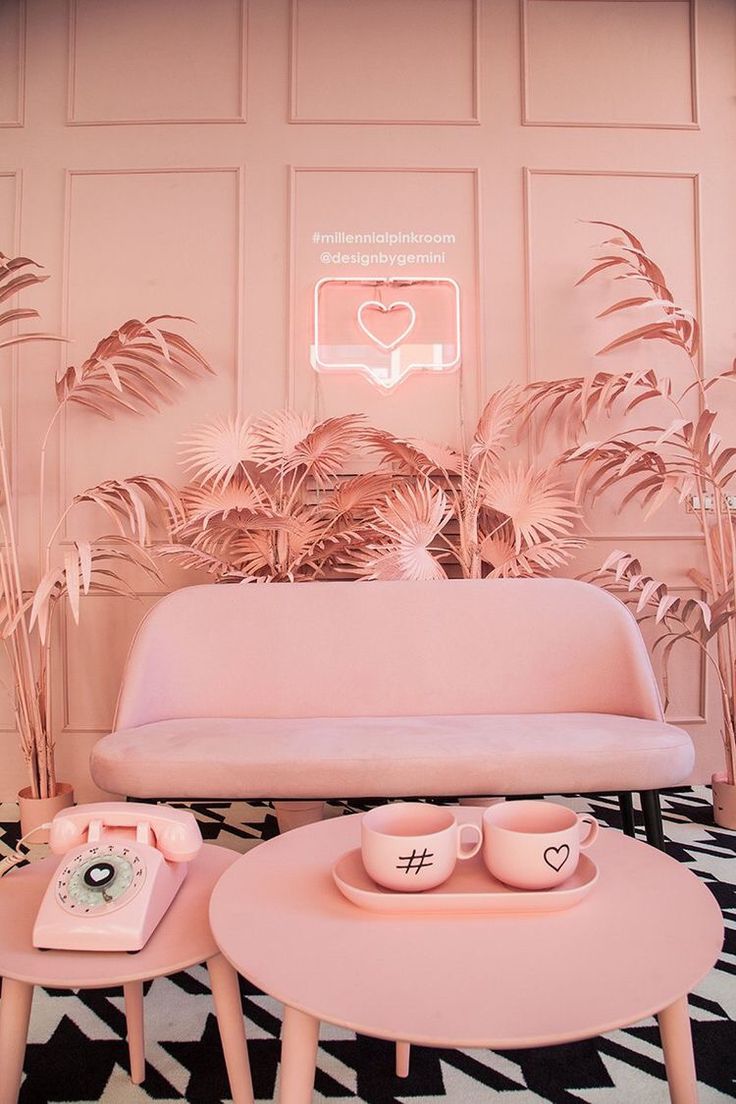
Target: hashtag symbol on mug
<point>416,861</point>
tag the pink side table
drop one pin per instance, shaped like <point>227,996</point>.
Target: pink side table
<point>646,934</point>
<point>182,939</point>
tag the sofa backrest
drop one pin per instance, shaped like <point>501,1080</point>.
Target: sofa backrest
<point>338,649</point>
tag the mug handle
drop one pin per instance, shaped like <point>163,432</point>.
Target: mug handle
<point>467,853</point>
<point>592,825</point>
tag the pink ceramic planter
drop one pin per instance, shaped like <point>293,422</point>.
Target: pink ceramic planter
<point>724,801</point>
<point>35,811</point>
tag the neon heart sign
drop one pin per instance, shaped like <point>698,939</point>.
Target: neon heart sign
<point>373,304</point>
<point>354,331</point>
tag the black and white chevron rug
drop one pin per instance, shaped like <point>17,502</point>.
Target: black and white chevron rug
<point>76,1049</point>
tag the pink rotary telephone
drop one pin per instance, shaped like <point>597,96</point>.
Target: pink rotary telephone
<point>123,865</point>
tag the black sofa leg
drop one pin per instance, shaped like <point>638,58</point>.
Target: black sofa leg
<point>652,818</point>
<point>626,805</point>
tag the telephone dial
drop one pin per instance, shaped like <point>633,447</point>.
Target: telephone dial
<point>123,865</point>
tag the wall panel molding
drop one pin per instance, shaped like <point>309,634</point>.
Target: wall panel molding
<point>16,176</point>
<point>237,337</point>
<point>612,538</point>
<point>529,174</point>
<point>476,391</point>
<point>613,106</point>
<point>527,120</point>
<point>68,722</point>
<point>15,179</point>
<point>18,118</point>
<point>295,116</point>
<point>700,716</point>
<point>74,119</point>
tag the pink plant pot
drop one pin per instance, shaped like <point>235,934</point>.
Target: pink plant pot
<point>35,811</point>
<point>724,801</point>
<point>297,814</point>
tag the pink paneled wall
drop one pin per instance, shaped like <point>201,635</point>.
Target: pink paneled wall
<point>183,156</point>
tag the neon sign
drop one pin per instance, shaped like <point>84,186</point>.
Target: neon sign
<point>386,327</point>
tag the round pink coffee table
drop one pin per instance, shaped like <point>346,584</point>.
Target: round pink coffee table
<point>182,939</point>
<point>646,934</point>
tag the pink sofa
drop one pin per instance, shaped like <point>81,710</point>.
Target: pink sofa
<point>338,690</point>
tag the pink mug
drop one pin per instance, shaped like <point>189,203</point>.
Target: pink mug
<point>535,844</point>
<point>408,846</point>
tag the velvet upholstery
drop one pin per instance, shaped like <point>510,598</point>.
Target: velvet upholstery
<point>378,689</point>
<point>407,756</point>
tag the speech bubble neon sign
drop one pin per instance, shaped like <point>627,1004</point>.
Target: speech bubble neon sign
<point>360,327</point>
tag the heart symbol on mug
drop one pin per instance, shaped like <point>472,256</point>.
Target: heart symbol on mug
<point>556,857</point>
<point>373,304</point>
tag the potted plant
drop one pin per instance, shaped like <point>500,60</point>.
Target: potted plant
<point>472,511</point>
<point>652,460</point>
<point>266,499</point>
<point>134,369</point>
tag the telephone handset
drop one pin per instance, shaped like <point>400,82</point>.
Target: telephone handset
<point>123,865</point>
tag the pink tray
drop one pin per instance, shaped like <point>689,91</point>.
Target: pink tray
<point>470,889</point>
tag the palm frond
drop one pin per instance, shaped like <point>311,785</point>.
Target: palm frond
<point>226,528</point>
<point>534,561</point>
<point>436,457</point>
<point>356,494</point>
<point>411,457</point>
<point>279,434</point>
<point>136,368</point>
<point>135,502</point>
<point>579,398</point>
<point>15,276</point>
<point>498,420</point>
<point>194,559</point>
<point>622,572</point>
<point>220,450</point>
<point>409,521</point>
<point>323,452</point>
<point>536,504</point>
<point>203,501</point>
<point>319,453</point>
<point>88,568</point>
<point>677,325</point>
<point>653,477</point>
<point>674,617</point>
<point>254,555</point>
<point>498,548</point>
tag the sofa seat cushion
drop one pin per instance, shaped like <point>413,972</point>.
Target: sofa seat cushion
<point>345,757</point>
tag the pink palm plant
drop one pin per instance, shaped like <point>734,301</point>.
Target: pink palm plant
<point>266,500</point>
<point>681,456</point>
<point>136,368</point>
<point>473,510</point>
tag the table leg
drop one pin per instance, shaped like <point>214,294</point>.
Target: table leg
<point>15,1012</point>
<point>677,1045</point>
<point>403,1053</point>
<point>229,1009</point>
<point>133,992</point>
<point>299,1039</point>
